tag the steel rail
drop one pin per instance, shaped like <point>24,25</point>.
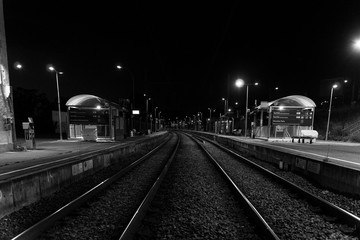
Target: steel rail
<point>266,230</point>
<point>345,216</point>
<point>36,230</point>
<point>135,221</point>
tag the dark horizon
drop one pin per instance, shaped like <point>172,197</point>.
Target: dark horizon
<point>185,56</point>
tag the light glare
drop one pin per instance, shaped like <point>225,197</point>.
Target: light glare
<point>357,44</point>
<point>239,83</point>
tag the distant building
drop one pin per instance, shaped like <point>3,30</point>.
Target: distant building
<point>7,126</point>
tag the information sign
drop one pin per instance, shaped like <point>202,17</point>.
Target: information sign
<point>292,117</point>
<point>88,116</point>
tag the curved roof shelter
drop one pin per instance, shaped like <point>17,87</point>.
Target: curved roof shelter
<point>88,101</point>
<point>294,101</point>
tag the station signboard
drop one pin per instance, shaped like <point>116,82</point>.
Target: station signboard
<point>88,116</point>
<point>298,117</point>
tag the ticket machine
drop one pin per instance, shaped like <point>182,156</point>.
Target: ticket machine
<point>29,133</point>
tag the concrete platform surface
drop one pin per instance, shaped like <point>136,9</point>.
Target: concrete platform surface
<point>53,149</point>
<point>345,154</point>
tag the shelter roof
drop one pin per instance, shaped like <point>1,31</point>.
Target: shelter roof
<point>294,101</point>
<point>89,101</point>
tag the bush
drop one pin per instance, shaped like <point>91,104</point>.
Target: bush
<point>354,138</point>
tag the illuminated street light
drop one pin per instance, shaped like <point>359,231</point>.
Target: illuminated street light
<point>356,44</point>
<point>119,67</point>
<point>211,110</point>
<point>328,121</point>
<point>51,68</point>
<point>225,105</point>
<point>240,83</point>
<point>18,66</point>
<point>132,106</point>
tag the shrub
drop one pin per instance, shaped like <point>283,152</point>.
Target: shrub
<point>354,138</point>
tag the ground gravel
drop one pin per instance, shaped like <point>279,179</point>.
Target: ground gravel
<point>194,202</point>
<point>107,215</point>
<point>290,216</point>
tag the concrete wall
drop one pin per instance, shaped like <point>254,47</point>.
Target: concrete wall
<point>26,189</point>
<point>6,102</point>
<point>329,175</point>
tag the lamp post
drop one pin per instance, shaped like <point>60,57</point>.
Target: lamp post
<point>210,110</point>
<point>155,119</point>
<point>159,119</point>
<point>132,106</point>
<point>240,83</point>
<point>328,121</point>
<point>147,112</point>
<point>225,105</point>
<point>51,68</point>
<point>119,67</point>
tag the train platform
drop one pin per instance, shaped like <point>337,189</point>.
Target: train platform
<point>345,154</point>
<point>53,149</point>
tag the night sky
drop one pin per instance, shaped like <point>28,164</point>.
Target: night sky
<point>184,55</point>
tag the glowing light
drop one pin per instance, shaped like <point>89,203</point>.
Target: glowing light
<point>335,86</point>
<point>51,68</point>
<point>98,107</point>
<point>239,83</point>
<point>118,67</point>
<point>356,44</point>
<point>281,108</point>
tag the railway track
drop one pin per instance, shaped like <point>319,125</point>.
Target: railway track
<point>177,193</point>
<point>195,202</point>
<point>291,211</point>
<point>89,216</point>
<point>198,204</point>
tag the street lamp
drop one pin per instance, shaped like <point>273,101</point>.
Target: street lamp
<point>132,106</point>
<point>119,67</point>
<point>328,121</point>
<point>240,83</point>
<point>52,69</point>
<point>155,119</point>
<point>356,44</point>
<point>225,104</point>
<point>18,66</point>
<point>147,111</point>
<point>211,110</point>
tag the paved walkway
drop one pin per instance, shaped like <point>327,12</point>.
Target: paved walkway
<point>47,149</point>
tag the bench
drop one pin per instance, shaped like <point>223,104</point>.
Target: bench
<point>303,139</point>
<point>306,136</point>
